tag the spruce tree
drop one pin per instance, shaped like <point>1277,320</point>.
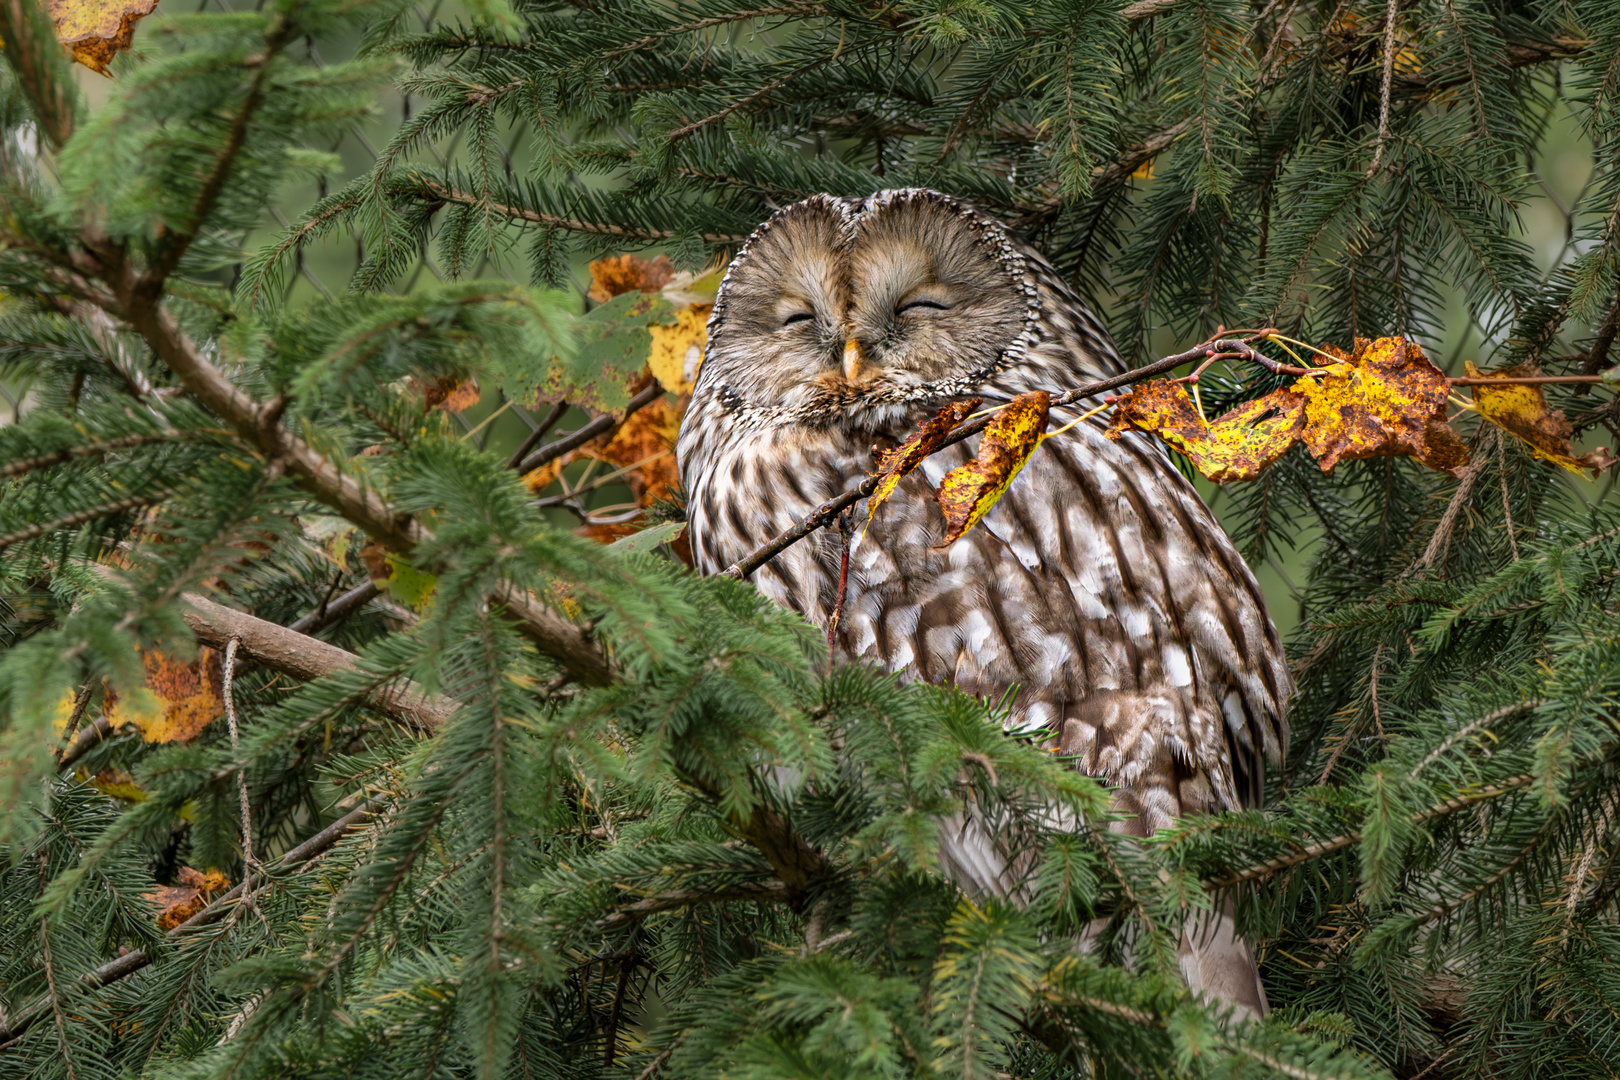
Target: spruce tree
<point>550,807</point>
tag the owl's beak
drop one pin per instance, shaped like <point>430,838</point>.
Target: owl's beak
<point>854,360</point>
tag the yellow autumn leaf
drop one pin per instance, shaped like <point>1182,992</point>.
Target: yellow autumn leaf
<point>1236,446</point>
<point>1521,410</point>
<point>62,713</point>
<point>968,493</point>
<point>677,349</point>
<point>911,453</point>
<point>96,32</point>
<point>178,701</point>
<point>1384,399</point>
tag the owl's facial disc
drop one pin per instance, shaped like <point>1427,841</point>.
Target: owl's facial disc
<point>854,309</point>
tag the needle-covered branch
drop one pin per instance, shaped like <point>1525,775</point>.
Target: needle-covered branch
<point>137,959</point>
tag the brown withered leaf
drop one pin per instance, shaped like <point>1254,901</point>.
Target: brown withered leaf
<point>1384,399</point>
<point>919,444</point>
<point>619,274</point>
<point>969,492</point>
<point>177,903</point>
<point>1521,410</point>
<point>1237,446</point>
<point>180,699</point>
<point>96,32</point>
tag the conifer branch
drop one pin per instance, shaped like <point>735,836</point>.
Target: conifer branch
<point>95,449</point>
<point>307,658</point>
<point>176,245</point>
<point>1326,847</point>
<point>31,47</point>
<point>767,892</point>
<point>792,11</point>
<point>260,424</point>
<point>520,213</point>
<point>80,517</point>
<point>137,959</point>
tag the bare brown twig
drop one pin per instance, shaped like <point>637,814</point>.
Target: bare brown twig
<point>828,511</point>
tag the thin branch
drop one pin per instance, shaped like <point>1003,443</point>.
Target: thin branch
<point>83,742</point>
<point>228,692</point>
<point>1389,77</point>
<point>828,511</point>
<point>604,423</point>
<point>283,649</point>
<point>338,610</point>
<point>1525,380</point>
<point>537,434</point>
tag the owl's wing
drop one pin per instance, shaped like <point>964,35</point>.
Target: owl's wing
<point>1105,590</point>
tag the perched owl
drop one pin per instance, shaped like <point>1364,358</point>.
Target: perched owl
<point>1100,585</point>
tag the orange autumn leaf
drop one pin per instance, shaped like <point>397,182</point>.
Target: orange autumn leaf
<point>177,903</point>
<point>95,32</point>
<point>619,274</point>
<point>1385,399</point>
<point>1237,446</point>
<point>179,700</point>
<point>443,392</point>
<point>1521,410</point>
<point>968,493</point>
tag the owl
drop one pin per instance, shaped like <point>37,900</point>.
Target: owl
<point>1100,585</point>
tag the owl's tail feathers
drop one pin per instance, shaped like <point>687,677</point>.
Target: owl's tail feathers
<point>1219,965</point>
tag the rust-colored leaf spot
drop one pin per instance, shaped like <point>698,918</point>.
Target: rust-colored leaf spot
<point>1521,410</point>
<point>619,274</point>
<point>96,32</point>
<point>968,493</point>
<point>179,700</point>
<point>919,444</point>
<point>177,903</point>
<point>1237,446</point>
<point>1386,398</point>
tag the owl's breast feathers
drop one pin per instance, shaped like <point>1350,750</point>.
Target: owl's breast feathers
<point>1100,585</point>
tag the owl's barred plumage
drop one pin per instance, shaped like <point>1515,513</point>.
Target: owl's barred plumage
<point>1100,585</point>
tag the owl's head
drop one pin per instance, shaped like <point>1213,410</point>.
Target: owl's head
<point>859,308</point>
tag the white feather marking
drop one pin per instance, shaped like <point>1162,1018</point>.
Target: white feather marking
<point>977,633</point>
<point>1176,666</point>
